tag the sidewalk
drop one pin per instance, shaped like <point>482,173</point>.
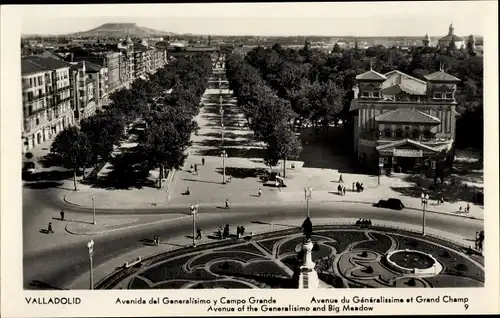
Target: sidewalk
<point>107,268</point>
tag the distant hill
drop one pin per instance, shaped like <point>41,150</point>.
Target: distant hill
<point>122,30</point>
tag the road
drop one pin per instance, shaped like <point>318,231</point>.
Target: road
<point>58,267</point>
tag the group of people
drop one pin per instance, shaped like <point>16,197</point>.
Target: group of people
<point>240,230</point>
<point>341,189</point>
<point>466,209</point>
<point>364,222</point>
<point>156,240</point>
<point>223,233</point>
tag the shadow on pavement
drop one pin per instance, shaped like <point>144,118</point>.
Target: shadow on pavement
<point>268,223</point>
<point>43,185</point>
<point>241,173</point>
<point>42,285</point>
<point>202,181</point>
<point>450,193</point>
<point>218,142</point>
<point>248,152</point>
<point>229,135</point>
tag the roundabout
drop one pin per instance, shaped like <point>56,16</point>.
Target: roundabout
<point>345,257</point>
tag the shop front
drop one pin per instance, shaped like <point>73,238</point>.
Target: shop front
<point>406,157</point>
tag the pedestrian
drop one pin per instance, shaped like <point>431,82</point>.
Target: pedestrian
<point>219,233</point>
<point>426,200</point>
<point>460,209</point>
<point>188,192</point>
<point>353,186</point>
<point>62,215</point>
<point>195,167</point>
<point>227,204</point>
<point>477,240</point>
<point>339,189</point>
<point>202,161</point>
<point>242,230</point>
<point>49,230</point>
<point>199,233</point>
<point>341,180</point>
<point>191,169</point>
<point>467,209</point>
<point>343,190</point>
<point>422,199</point>
<point>442,200</point>
<point>260,192</point>
<point>238,231</point>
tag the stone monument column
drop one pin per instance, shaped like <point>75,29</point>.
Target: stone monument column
<point>308,278</point>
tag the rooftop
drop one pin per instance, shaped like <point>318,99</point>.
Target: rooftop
<point>441,76</point>
<point>371,75</point>
<point>407,115</point>
<point>37,64</point>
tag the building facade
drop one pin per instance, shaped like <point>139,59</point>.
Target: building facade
<point>402,123</point>
<point>82,91</point>
<point>112,63</point>
<point>46,99</point>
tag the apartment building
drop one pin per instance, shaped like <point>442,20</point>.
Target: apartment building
<point>46,99</point>
<point>83,91</point>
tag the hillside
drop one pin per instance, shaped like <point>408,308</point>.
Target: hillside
<point>121,30</point>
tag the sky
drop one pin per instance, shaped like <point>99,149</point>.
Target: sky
<point>329,19</point>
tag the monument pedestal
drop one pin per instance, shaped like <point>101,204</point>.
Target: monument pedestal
<point>308,278</point>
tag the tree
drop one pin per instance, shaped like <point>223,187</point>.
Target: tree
<point>167,139</point>
<point>282,144</point>
<point>103,132</point>
<point>73,149</point>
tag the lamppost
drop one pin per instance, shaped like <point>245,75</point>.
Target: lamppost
<point>424,199</point>
<point>307,194</point>
<point>224,156</point>
<point>90,246</point>
<point>93,210</point>
<point>194,210</point>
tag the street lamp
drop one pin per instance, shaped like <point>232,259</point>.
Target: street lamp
<point>90,246</point>
<point>194,210</point>
<point>224,156</point>
<point>307,194</point>
<point>424,199</point>
<point>93,210</point>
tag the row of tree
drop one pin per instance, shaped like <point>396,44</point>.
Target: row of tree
<point>168,118</point>
<point>270,117</point>
<point>318,84</point>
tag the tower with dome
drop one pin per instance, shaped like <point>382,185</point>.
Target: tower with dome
<point>445,41</point>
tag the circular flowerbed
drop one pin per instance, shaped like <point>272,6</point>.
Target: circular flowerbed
<point>413,262</point>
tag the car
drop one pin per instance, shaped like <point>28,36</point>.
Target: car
<point>391,203</point>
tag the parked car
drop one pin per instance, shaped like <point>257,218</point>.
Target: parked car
<point>391,203</point>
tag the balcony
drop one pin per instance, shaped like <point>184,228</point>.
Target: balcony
<point>35,112</point>
<point>62,89</point>
<point>381,136</point>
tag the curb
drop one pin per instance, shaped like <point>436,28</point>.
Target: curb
<point>127,227</point>
<point>244,204</point>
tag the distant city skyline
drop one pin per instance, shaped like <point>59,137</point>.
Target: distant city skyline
<point>271,19</point>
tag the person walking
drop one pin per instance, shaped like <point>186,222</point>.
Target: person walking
<point>202,161</point>
<point>62,215</point>
<point>341,180</point>
<point>353,184</point>
<point>219,233</point>
<point>422,199</point>
<point>195,167</point>
<point>467,208</point>
<point>198,233</point>
<point>260,192</point>
<point>227,204</point>
<point>49,229</point>
<point>343,190</point>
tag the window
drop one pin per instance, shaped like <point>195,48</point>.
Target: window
<point>438,95</point>
<point>399,133</point>
<point>415,134</point>
<point>449,95</point>
<point>365,94</point>
<point>406,132</point>
<point>388,133</point>
<point>31,82</point>
<point>37,121</point>
<point>376,94</point>
<point>427,134</point>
